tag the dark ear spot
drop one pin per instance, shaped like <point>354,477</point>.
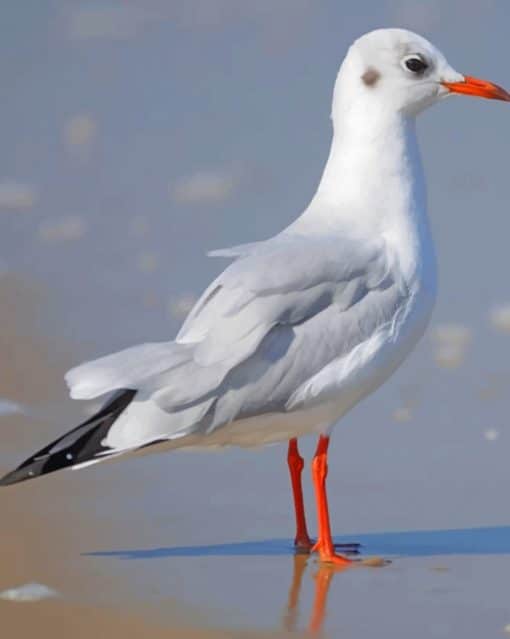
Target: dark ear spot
<point>371,77</point>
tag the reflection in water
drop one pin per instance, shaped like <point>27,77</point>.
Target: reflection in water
<point>322,579</point>
<point>322,583</point>
<point>291,614</point>
<point>493,540</point>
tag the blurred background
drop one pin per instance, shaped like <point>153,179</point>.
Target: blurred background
<point>138,135</point>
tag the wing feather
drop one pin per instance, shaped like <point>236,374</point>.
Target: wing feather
<point>268,325</point>
<point>284,281</point>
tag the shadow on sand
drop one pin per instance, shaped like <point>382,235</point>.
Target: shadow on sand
<point>493,540</point>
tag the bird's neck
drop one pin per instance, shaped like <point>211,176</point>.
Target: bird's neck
<point>372,184</point>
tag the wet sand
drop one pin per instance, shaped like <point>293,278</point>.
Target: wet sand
<point>55,620</point>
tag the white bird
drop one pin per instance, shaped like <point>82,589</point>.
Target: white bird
<point>301,327</point>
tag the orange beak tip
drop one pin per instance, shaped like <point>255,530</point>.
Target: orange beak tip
<point>479,88</point>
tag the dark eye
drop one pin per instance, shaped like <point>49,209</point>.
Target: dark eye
<point>416,64</point>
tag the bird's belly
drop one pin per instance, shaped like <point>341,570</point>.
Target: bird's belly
<point>268,428</point>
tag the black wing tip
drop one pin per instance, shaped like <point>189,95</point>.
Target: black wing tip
<point>38,466</point>
<point>18,475</point>
<point>14,477</point>
<point>82,450</point>
<point>29,469</point>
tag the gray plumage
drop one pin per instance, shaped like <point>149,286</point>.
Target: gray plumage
<point>273,320</point>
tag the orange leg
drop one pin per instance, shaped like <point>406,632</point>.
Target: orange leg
<point>324,545</point>
<point>296,463</point>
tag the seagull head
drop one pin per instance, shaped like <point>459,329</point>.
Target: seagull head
<point>397,70</point>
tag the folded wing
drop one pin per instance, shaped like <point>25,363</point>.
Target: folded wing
<point>275,317</point>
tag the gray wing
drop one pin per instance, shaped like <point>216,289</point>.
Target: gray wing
<point>276,317</point>
<point>279,282</point>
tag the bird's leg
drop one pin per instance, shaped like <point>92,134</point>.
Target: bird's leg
<point>324,545</point>
<point>296,463</point>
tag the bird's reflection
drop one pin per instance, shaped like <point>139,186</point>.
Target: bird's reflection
<point>291,614</point>
<point>482,541</point>
<point>322,579</point>
<point>322,583</point>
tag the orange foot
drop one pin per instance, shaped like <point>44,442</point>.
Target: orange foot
<point>305,545</point>
<point>349,548</point>
<point>328,555</point>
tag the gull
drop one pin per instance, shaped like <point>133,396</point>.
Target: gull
<point>301,327</point>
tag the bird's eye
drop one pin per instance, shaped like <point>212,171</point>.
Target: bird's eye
<point>415,64</point>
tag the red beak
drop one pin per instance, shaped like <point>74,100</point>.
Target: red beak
<point>480,88</point>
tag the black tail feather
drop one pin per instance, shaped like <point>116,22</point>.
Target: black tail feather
<point>79,445</point>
